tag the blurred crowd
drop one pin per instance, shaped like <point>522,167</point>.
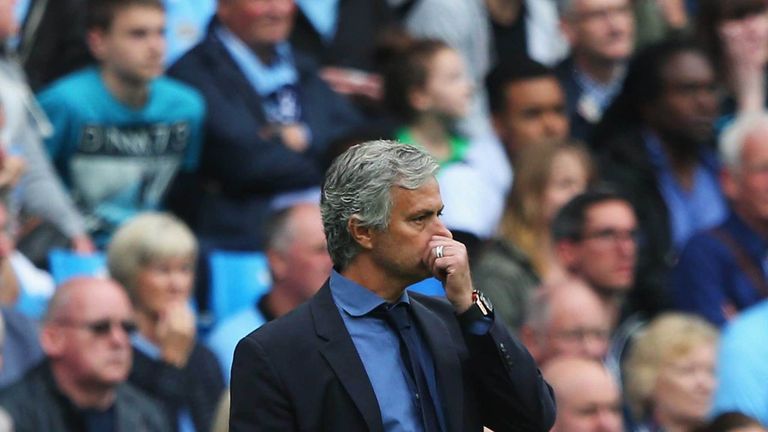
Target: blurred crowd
<point>604,161</point>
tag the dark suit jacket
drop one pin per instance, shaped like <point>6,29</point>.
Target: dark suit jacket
<point>302,373</point>
<point>227,199</point>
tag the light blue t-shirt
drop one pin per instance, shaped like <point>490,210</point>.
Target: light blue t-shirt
<point>742,365</point>
<point>224,337</point>
<point>117,160</point>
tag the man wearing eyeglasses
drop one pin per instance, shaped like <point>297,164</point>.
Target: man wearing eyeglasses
<point>601,37</point>
<point>594,238</point>
<point>81,384</point>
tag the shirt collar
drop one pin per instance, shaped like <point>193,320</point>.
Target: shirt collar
<point>354,298</point>
<point>265,79</point>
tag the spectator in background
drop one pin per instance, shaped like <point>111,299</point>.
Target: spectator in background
<point>669,374</point>
<point>464,26</point>
<point>299,264</point>
<point>153,257</point>
<point>654,146</point>
<point>527,105</point>
<point>566,318</point>
<point>19,346</point>
<point>121,132</point>
<point>735,35</point>
<point>594,238</point>
<point>520,256</point>
<point>721,271</point>
<point>270,122</point>
<point>22,127</point>
<point>601,37</point>
<point>741,365</point>
<point>81,385</point>
<point>588,396</point>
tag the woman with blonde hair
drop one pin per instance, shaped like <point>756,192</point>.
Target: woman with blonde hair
<point>547,175</point>
<point>669,374</point>
<point>152,256</point>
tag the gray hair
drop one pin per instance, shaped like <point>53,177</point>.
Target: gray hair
<point>358,185</point>
<point>735,135</point>
<point>147,238</point>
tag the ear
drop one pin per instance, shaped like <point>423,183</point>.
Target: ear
<point>729,183</point>
<point>277,264</point>
<point>52,341</point>
<point>97,43</point>
<point>361,234</point>
<point>566,252</point>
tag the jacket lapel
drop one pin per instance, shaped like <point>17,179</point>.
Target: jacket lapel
<point>448,371</point>
<point>340,353</point>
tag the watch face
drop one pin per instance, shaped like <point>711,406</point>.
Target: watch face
<point>485,301</point>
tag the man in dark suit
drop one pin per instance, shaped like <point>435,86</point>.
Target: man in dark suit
<point>351,359</point>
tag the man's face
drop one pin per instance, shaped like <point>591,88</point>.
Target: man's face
<point>133,48</point>
<point>8,24</point>
<point>688,105</point>
<point>258,22</point>
<point>305,264</point>
<point>590,403</point>
<point>747,185</point>
<point>579,326</point>
<point>534,112</point>
<point>605,255</point>
<point>93,353</point>
<point>399,250</point>
<point>600,30</point>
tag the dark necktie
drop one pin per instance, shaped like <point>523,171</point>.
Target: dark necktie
<point>398,318</point>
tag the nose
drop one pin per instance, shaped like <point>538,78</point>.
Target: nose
<point>441,229</point>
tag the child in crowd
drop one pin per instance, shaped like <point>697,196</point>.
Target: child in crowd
<point>428,89</point>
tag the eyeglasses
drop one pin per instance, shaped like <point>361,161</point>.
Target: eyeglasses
<point>102,327</point>
<point>581,334</point>
<point>612,236</point>
<point>603,13</point>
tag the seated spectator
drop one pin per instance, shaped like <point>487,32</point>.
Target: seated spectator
<point>588,396</point>
<point>121,132</point>
<point>566,319</point>
<point>81,384</point>
<point>669,374</point>
<point>153,257</point>
<point>733,421</point>
<point>22,127</point>
<point>270,121</point>
<point>299,265</point>
<point>594,238</point>
<point>601,37</point>
<point>741,365</point>
<point>721,270</point>
<point>735,36</point>
<point>549,174</point>
<point>654,146</point>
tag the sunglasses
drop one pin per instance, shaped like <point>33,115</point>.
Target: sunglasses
<point>103,327</point>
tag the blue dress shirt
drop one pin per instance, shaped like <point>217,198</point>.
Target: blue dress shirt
<point>689,211</point>
<point>379,349</point>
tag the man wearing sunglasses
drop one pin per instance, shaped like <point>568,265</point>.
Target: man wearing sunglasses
<point>81,384</point>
